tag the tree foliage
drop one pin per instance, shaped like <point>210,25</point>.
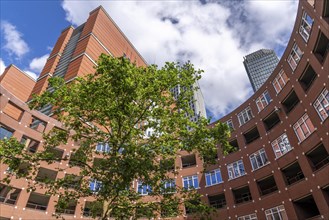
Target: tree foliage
<point>140,128</point>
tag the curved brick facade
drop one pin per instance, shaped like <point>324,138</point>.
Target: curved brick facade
<point>280,168</point>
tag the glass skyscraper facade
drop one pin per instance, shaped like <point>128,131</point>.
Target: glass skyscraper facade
<point>259,66</point>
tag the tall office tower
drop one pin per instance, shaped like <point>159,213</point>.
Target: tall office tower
<point>77,50</point>
<point>196,103</point>
<point>259,66</point>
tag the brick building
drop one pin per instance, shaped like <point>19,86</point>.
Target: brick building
<point>279,169</point>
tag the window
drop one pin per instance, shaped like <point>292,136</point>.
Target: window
<point>188,161</point>
<point>4,133</point>
<point>103,147</point>
<point>245,115</point>
<point>280,81</point>
<point>217,201</point>
<point>307,78</point>
<point>281,145</point>
<point>290,102</point>
<point>305,26</point>
<point>322,47</point>
<point>95,185</point>
<point>213,177</point>
<point>229,123</point>
<point>267,185</point>
<point>321,104</point>
<point>190,182</point>
<point>258,159</point>
<point>303,127</point>
<point>251,135</point>
<point>276,213</point>
<point>169,186</point>
<point>294,56</point>
<point>143,189</point>
<point>235,169</point>
<point>263,100</point>
<point>248,217</point>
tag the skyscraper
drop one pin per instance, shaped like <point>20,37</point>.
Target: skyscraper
<point>196,103</point>
<point>259,66</point>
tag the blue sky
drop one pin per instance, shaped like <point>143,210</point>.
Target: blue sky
<point>39,23</point>
<point>214,35</point>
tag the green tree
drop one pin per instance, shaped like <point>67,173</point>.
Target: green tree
<point>114,108</point>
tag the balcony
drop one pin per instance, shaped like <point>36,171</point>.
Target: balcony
<point>188,161</point>
<point>292,173</point>
<point>72,181</point>
<point>66,208</point>
<point>242,195</point>
<point>46,175</point>
<point>290,102</point>
<point>234,146</point>
<point>217,201</point>
<point>93,209</point>
<point>271,120</point>
<point>322,47</point>
<point>9,195</point>
<point>267,185</point>
<point>251,135</point>
<point>307,78</point>
<point>306,208</point>
<point>318,157</point>
<point>38,201</point>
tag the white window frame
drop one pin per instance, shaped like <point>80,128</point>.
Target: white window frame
<point>245,115</point>
<point>169,186</point>
<point>302,126</point>
<point>275,212</point>
<point>279,78</point>
<point>96,185</point>
<point>102,147</point>
<point>236,169</point>
<point>281,145</point>
<point>321,104</point>
<point>230,124</point>
<point>294,56</point>
<point>252,216</point>
<point>143,189</point>
<point>306,26</point>
<point>260,158</point>
<point>264,99</point>
<point>190,180</point>
<point>213,177</point>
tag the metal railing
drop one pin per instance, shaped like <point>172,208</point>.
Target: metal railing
<point>321,163</point>
<point>7,200</point>
<point>31,205</point>
<point>296,178</point>
<point>243,198</point>
<point>269,190</point>
<point>66,211</point>
<point>218,203</point>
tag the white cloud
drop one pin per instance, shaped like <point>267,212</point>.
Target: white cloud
<point>14,42</point>
<point>38,63</point>
<point>213,36</point>
<point>30,73</point>
<point>2,66</point>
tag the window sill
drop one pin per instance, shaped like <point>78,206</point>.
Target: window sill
<point>284,154</point>
<point>261,167</point>
<point>300,142</point>
<point>237,177</point>
<point>214,184</point>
